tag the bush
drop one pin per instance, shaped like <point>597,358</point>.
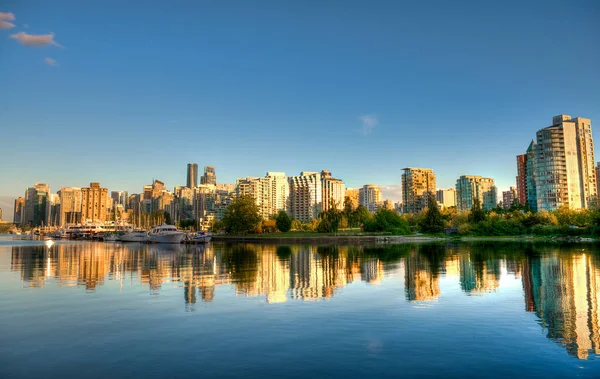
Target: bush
<point>386,220</point>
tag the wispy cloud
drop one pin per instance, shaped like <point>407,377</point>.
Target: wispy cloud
<point>369,122</point>
<point>6,25</point>
<point>50,61</point>
<point>35,40</point>
<point>7,16</point>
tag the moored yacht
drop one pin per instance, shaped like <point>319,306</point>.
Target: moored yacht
<point>135,236</point>
<point>166,234</point>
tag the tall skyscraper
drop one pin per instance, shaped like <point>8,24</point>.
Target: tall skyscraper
<point>34,209</point>
<point>52,210</point>
<point>192,175</point>
<point>305,196</point>
<point>333,191</point>
<point>18,211</point>
<point>598,179</point>
<point>469,188</point>
<point>210,175</point>
<point>280,191</point>
<point>119,197</point>
<point>93,203</point>
<point>417,185</point>
<point>530,180</point>
<point>70,206</point>
<point>369,196</point>
<point>521,178</point>
<point>564,164</point>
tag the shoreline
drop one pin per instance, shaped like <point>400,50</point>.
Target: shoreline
<point>392,239</point>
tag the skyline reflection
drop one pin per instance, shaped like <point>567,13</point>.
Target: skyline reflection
<point>561,286</point>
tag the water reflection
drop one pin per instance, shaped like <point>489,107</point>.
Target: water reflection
<point>560,284</point>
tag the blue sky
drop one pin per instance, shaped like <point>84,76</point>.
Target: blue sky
<point>132,93</point>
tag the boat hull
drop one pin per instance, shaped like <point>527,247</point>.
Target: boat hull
<point>134,238</point>
<point>175,237</point>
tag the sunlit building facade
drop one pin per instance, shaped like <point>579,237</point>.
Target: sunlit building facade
<point>370,197</point>
<point>446,197</point>
<point>417,185</point>
<point>565,174</point>
<point>333,191</point>
<point>94,203</point>
<point>305,196</point>
<point>469,188</point>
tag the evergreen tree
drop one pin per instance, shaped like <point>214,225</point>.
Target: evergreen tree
<point>477,214</point>
<point>283,222</point>
<point>432,221</point>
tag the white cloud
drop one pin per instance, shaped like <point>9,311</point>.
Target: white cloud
<point>50,61</point>
<point>7,16</point>
<point>35,40</point>
<point>392,192</point>
<point>6,25</point>
<point>369,122</point>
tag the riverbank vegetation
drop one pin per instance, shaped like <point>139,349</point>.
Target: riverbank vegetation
<point>242,217</point>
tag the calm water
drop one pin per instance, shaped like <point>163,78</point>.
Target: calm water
<point>100,310</point>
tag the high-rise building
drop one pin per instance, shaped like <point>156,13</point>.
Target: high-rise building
<point>70,206</point>
<point>469,188</point>
<point>260,190</point>
<point>210,175</point>
<point>446,197</point>
<point>333,191</point>
<point>34,210</point>
<point>509,196</point>
<point>18,211</point>
<point>93,203</point>
<point>271,193</point>
<point>192,175</point>
<point>564,164</point>
<point>530,186</point>
<point>119,197</point>
<point>370,197</point>
<point>305,196</point>
<point>280,191</point>
<point>417,185</point>
<point>0,214</point>
<point>521,178</point>
<point>598,179</point>
<point>52,210</point>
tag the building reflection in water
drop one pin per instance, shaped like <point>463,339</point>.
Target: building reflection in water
<point>560,286</point>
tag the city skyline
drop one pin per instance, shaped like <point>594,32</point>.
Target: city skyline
<point>459,97</point>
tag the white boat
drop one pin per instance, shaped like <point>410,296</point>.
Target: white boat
<point>200,237</point>
<point>135,236</point>
<point>166,234</point>
<point>113,237</point>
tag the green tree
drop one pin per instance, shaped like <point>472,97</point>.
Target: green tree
<point>477,214</point>
<point>241,216</point>
<point>283,222</point>
<point>329,221</point>
<point>361,215</point>
<point>348,212</point>
<point>168,220</point>
<point>432,221</point>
